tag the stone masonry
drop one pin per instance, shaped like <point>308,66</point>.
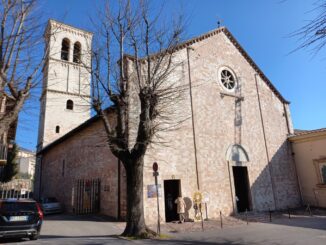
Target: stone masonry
<point>84,155</point>
<point>272,176</point>
<point>254,117</point>
<point>64,80</point>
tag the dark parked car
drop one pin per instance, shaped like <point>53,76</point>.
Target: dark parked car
<point>50,205</point>
<point>20,218</point>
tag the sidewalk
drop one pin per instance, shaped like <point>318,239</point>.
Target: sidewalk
<point>175,227</point>
<point>298,218</point>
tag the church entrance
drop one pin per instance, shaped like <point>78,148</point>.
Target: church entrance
<point>171,193</point>
<point>242,191</point>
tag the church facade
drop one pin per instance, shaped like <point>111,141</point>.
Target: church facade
<point>233,149</point>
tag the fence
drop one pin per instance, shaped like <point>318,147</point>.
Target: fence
<point>18,188</point>
<point>87,196</point>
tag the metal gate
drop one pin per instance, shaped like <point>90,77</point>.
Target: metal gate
<point>87,196</point>
<point>17,188</point>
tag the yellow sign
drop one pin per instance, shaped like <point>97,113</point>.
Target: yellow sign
<point>197,197</point>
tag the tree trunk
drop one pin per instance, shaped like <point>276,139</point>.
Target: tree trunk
<point>135,209</point>
<point>9,117</point>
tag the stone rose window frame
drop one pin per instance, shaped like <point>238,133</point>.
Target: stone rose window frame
<point>227,79</point>
<point>320,168</point>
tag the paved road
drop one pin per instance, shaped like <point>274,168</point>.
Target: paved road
<point>66,229</point>
<point>96,230</point>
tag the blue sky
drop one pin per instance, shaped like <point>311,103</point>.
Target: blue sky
<point>263,29</point>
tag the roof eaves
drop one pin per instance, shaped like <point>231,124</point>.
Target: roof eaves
<point>303,133</point>
<point>254,65</point>
<point>236,44</point>
<point>70,26</point>
<point>68,135</point>
<point>72,132</point>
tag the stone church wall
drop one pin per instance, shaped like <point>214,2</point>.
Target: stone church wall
<point>219,123</point>
<point>253,117</point>
<point>86,156</point>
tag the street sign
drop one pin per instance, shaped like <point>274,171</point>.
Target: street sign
<point>155,174</point>
<point>205,197</point>
<point>155,166</point>
<point>197,197</point>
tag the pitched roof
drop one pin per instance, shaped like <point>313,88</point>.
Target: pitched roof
<point>303,134</point>
<point>237,45</point>
<point>68,135</point>
<point>74,131</point>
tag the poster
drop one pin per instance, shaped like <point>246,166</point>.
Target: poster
<point>151,191</point>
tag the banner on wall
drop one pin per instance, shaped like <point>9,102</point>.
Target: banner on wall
<point>151,191</point>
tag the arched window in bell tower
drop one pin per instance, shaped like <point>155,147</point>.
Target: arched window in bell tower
<point>57,129</point>
<point>70,105</point>
<point>77,52</point>
<point>65,49</point>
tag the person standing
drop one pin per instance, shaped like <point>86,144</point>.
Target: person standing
<point>181,207</point>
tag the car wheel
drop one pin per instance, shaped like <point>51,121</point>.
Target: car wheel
<point>35,236</point>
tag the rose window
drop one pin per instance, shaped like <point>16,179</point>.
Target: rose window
<point>227,79</point>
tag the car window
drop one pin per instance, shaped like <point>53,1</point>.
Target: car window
<point>17,206</point>
<point>50,199</point>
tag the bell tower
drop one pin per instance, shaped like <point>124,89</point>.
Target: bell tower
<point>65,99</point>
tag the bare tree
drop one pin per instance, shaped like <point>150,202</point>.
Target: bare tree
<point>138,59</point>
<point>20,59</point>
<point>313,34</point>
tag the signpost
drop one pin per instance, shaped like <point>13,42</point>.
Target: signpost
<point>198,198</point>
<point>155,174</point>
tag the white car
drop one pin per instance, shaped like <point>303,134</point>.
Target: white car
<point>50,205</point>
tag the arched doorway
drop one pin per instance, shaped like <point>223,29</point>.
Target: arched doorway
<point>237,156</point>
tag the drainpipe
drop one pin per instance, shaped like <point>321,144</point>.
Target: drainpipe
<point>265,142</point>
<point>192,116</point>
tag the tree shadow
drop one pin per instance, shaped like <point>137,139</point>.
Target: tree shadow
<point>276,192</point>
<point>84,217</point>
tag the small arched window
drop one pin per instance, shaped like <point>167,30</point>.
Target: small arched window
<point>57,129</point>
<point>70,105</point>
<point>77,52</point>
<point>65,49</point>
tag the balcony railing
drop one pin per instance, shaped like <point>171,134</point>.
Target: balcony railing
<point>3,154</point>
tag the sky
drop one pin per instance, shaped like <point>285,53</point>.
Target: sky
<point>262,27</point>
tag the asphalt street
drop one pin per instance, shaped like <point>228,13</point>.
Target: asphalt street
<point>299,230</point>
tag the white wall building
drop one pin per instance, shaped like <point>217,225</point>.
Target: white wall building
<point>26,161</point>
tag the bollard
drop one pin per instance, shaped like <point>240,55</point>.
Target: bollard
<point>270,215</point>
<point>221,219</point>
<point>289,213</point>
<point>247,216</point>
<point>206,212</point>
<point>309,209</point>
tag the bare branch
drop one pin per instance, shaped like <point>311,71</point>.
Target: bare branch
<point>313,34</point>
